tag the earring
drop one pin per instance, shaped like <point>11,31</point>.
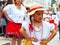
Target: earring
<point>32,18</point>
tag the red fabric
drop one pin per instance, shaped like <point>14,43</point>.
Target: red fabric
<point>13,29</point>
<point>56,26</point>
<point>51,21</point>
<point>30,27</point>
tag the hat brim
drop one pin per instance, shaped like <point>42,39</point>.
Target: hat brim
<point>32,12</point>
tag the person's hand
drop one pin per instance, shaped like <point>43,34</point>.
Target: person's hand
<point>44,41</point>
<point>33,39</point>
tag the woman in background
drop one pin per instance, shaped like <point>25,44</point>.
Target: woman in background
<point>58,15</point>
<point>15,14</point>
<point>6,3</point>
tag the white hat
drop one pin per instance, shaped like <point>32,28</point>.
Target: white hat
<point>35,8</point>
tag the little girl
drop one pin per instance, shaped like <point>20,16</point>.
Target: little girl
<point>15,14</point>
<point>38,32</point>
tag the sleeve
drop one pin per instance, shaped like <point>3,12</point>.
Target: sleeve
<point>51,27</point>
<point>24,8</point>
<point>58,16</point>
<point>7,8</point>
<point>56,20</point>
<point>25,11</point>
<point>25,25</point>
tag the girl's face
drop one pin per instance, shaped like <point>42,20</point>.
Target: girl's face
<point>18,1</point>
<point>38,16</point>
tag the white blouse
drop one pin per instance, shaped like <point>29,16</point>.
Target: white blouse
<point>58,15</point>
<point>44,32</point>
<point>16,15</point>
<point>47,27</point>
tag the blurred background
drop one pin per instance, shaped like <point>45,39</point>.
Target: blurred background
<point>48,4</point>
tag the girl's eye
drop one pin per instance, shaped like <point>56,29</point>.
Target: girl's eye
<point>39,14</point>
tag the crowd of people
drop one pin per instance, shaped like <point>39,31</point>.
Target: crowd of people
<point>36,25</point>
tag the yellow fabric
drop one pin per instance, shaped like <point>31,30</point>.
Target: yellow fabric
<point>27,42</point>
<point>43,44</point>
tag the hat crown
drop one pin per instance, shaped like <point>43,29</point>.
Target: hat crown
<point>35,7</point>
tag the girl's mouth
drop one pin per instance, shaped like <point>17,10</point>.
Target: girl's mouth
<point>40,19</point>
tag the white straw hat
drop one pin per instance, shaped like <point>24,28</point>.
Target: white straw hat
<point>34,9</point>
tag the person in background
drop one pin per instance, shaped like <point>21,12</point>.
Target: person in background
<point>46,16</point>
<point>2,24</point>
<point>15,14</point>
<point>58,15</point>
<point>37,31</point>
<point>52,9</point>
<point>7,3</point>
<point>53,20</point>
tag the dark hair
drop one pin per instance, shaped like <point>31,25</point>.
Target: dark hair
<point>0,4</point>
<point>14,0</point>
<point>27,8</point>
<point>59,5</point>
<point>9,2</point>
<point>21,2</point>
<point>30,18</point>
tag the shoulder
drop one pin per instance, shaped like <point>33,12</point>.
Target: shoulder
<point>12,5</point>
<point>25,24</point>
<point>44,22</point>
<point>8,6</point>
<point>23,7</point>
<point>47,24</point>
